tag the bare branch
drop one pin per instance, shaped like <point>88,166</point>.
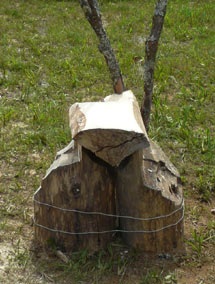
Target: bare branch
<point>151,46</point>
<point>91,11</point>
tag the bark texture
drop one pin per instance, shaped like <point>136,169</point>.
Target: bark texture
<point>151,46</point>
<point>81,183</point>
<point>148,185</point>
<point>92,13</point>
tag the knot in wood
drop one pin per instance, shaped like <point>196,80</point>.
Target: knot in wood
<point>76,189</point>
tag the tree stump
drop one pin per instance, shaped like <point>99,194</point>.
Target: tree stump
<point>110,161</point>
<point>79,181</point>
<point>148,186</point>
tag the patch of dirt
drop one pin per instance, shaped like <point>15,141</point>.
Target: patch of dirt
<point>5,253</point>
<point>204,274</point>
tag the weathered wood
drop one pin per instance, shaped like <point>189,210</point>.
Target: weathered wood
<point>112,129</point>
<point>151,46</point>
<point>92,13</point>
<point>76,180</point>
<point>148,185</point>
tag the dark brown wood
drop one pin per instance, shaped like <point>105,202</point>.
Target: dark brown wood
<point>91,11</point>
<point>148,185</point>
<point>151,46</point>
<point>71,183</point>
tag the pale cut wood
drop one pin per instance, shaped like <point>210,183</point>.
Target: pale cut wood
<point>148,185</point>
<point>81,182</point>
<point>112,129</point>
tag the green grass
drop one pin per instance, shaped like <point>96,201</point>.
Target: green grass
<point>49,60</point>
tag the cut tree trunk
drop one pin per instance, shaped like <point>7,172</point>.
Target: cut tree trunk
<point>112,129</point>
<point>77,180</point>
<point>148,186</point>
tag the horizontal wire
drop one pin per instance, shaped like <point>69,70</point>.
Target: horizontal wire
<point>110,215</point>
<point>111,231</point>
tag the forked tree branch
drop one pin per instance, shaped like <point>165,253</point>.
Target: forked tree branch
<point>91,11</point>
<point>151,46</point>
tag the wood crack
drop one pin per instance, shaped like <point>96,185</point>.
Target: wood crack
<point>119,145</point>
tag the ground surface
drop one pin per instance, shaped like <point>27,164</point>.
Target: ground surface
<point>49,60</point>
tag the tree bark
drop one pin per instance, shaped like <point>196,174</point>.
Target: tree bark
<point>151,46</point>
<point>91,11</point>
<point>148,186</point>
<point>112,129</point>
<point>79,181</point>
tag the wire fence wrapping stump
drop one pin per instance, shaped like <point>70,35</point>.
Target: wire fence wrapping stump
<point>112,216</point>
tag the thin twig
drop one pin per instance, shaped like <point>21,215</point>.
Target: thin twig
<point>151,46</point>
<point>92,13</point>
